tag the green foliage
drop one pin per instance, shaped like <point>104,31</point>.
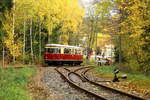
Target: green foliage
<point>13,83</point>
<point>5,5</point>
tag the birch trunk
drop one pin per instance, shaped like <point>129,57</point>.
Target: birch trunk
<point>13,31</point>
<point>31,40</point>
<point>24,41</point>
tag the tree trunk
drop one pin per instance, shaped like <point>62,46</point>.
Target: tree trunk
<point>49,37</point>
<point>120,51</point>
<point>95,37</point>
<point>3,55</point>
<point>31,40</point>
<point>24,41</point>
<point>68,38</point>
<point>13,31</point>
<point>39,41</point>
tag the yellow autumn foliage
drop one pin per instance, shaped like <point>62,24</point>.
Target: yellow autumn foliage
<point>14,46</point>
<point>134,20</point>
<point>103,39</point>
<point>66,14</point>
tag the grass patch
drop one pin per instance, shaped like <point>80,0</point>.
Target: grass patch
<point>13,83</point>
<point>139,79</point>
<point>105,70</point>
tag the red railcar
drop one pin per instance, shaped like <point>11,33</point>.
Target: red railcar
<point>63,54</point>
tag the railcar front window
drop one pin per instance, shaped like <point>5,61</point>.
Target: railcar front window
<point>45,50</point>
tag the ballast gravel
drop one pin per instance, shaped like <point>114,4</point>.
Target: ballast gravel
<point>59,89</point>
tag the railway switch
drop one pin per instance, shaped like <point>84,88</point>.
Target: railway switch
<point>116,78</point>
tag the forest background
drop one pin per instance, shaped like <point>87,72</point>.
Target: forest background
<point>27,25</point>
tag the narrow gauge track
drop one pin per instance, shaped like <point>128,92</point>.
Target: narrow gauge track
<point>64,74</point>
<point>97,90</point>
<point>83,74</point>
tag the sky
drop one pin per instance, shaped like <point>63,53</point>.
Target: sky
<point>86,3</point>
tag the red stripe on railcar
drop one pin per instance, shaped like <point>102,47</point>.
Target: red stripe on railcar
<point>63,57</point>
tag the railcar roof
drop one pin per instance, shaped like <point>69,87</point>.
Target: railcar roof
<point>60,45</point>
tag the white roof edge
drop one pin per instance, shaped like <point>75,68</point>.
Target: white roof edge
<point>60,45</point>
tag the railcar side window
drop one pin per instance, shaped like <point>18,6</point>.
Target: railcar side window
<point>67,51</point>
<point>58,50</point>
<point>54,50</point>
<point>72,51</point>
<point>77,51</point>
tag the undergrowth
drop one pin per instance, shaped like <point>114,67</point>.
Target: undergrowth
<point>140,79</point>
<point>13,83</point>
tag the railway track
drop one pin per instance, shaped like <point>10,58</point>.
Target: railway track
<point>115,90</point>
<point>64,74</point>
<point>79,80</point>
